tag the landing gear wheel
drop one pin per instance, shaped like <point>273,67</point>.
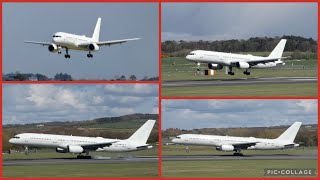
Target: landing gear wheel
<point>231,73</point>
<point>89,55</point>
<point>237,154</point>
<point>246,72</point>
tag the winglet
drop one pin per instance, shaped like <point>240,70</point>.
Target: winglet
<point>96,31</point>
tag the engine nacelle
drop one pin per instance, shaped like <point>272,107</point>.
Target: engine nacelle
<point>243,65</point>
<point>53,48</point>
<point>75,149</point>
<point>93,47</point>
<point>61,150</point>
<point>226,147</point>
<point>215,66</point>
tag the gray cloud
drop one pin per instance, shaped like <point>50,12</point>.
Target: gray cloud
<point>41,103</point>
<point>190,114</point>
<point>218,21</point>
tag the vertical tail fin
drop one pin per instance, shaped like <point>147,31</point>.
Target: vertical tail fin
<point>142,134</point>
<point>278,50</point>
<point>96,31</point>
<point>290,133</point>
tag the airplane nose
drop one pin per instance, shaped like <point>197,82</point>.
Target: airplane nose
<point>188,57</point>
<point>174,140</point>
<point>10,140</point>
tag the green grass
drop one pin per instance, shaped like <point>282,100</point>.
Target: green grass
<point>84,170</point>
<point>48,154</point>
<point>299,89</point>
<point>229,168</point>
<point>205,150</point>
<point>185,70</point>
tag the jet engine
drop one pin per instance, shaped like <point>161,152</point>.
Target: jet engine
<point>215,66</point>
<point>61,150</point>
<point>53,48</point>
<point>75,149</point>
<point>93,47</point>
<point>242,65</point>
<point>226,147</point>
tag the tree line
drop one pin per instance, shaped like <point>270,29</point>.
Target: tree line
<point>295,44</point>
<point>307,135</point>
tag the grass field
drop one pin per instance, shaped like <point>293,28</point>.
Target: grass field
<point>185,70</point>
<point>137,169</point>
<point>84,170</point>
<point>301,89</point>
<point>47,154</point>
<point>174,69</point>
<point>205,150</point>
<point>229,168</point>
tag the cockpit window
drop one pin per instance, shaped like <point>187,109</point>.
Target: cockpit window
<point>16,137</point>
<point>192,53</point>
<point>56,36</point>
<point>178,137</point>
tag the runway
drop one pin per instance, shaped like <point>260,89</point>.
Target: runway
<point>94,160</point>
<point>243,81</point>
<point>245,157</point>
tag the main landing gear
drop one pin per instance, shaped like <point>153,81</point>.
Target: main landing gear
<point>80,156</point>
<point>229,70</point>
<point>246,72</point>
<point>89,55</point>
<point>237,152</point>
<point>67,53</point>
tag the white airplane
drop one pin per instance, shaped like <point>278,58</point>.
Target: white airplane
<point>79,42</point>
<point>79,144</point>
<point>232,143</point>
<point>218,60</point>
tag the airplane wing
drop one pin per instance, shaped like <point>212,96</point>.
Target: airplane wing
<point>109,43</point>
<point>257,61</point>
<point>40,43</point>
<point>244,145</point>
<point>145,146</point>
<point>95,146</point>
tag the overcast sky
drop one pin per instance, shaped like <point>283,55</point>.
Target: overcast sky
<point>191,114</point>
<point>39,21</point>
<point>23,104</point>
<point>219,21</point>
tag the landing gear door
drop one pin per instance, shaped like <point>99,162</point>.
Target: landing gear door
<point>227,69</point>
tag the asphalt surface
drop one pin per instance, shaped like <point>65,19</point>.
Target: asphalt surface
<point>243,81</point>
<point>245,157</point>
<point>93,160</point>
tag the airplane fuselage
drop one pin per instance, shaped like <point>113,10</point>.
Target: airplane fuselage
<point>71,41</point>
<point>229,59</point>
<point>216,141</point>
<point>62,142</point>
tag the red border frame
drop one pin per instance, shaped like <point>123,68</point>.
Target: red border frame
<point>159,80</point>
